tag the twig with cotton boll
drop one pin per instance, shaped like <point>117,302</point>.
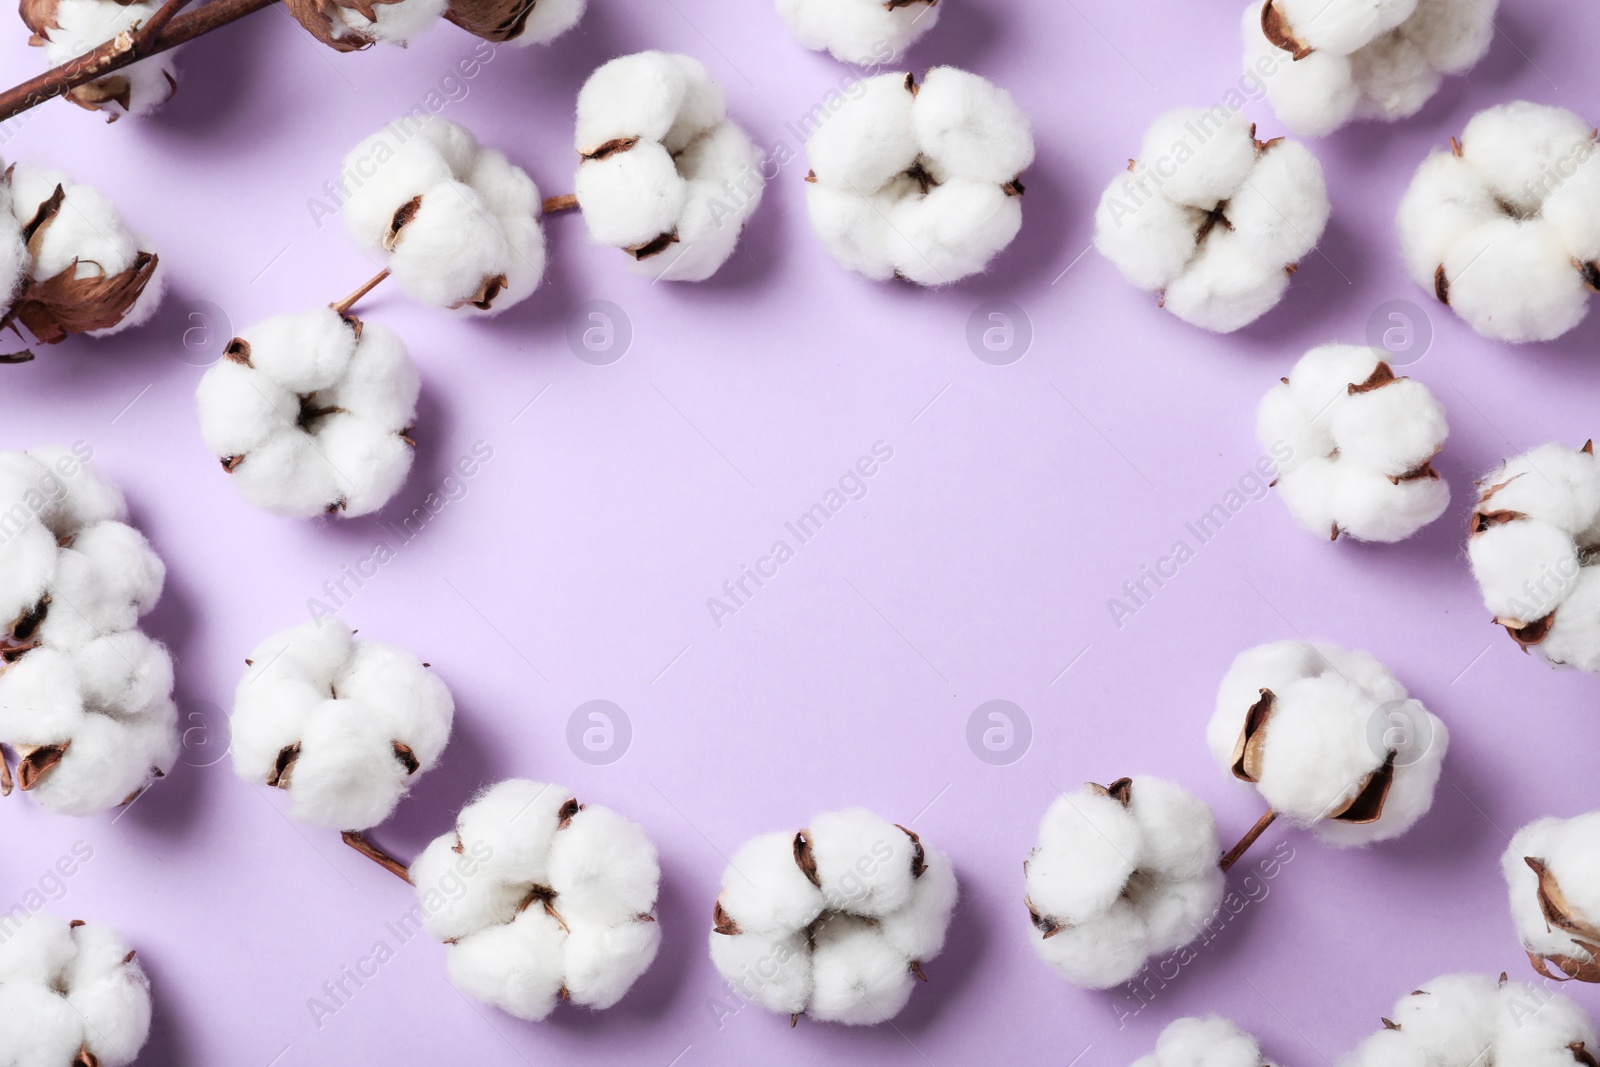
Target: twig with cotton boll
<point>1532,546</point>
<point>559,900</point>
<point>1121,873</point>
<point>69,264</point>
<point>1204,1042</point>
<point>85,697</point>
<point>1327,62</point>
<point>921,182</point>
<point>1362,441</point>
<point>343,726</point>
<point>67,29</point>
<point>1504,228</point>
<point>72,994</point>
<point>664,175</point>
<point>1212,219</point>
<point>1552,869</point>
<point>834,921</point>
<point>862,32</point>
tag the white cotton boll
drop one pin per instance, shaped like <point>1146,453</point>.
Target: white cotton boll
<point>548,20</point>
<point>1178,836</point>
<point>1464,1019</point>
<point>1272,666</point>
<point>1106,951</point>
<point>38,952</point>
<point>704,106</point>
<point>868,141</point>
<point>14,257</point>
<point>1569,852</point>
<point>27,567</point>
<point>1312,96</point>
<point>289,475</point>
<point>1454,34</point>
<point>863,32</point>
<point>772,971</point>
<point>631,198</point>
<point>1210,155</point>
<point>1513,280</point>
<point>1370,506</point>
<point>456,895</point>
<point>764,890</point>
<point>1524,568</point>
<point>865,864</point>
<point>1176,913</point>
<point>1446,199</point>
<point>955,230</point>
<point>1319,757</point>
<point>111,993</point>
<point>71,991</point>
<point>604,867</point>
<point>631,96</point>
<point>346,774</point>
<point>603,961</point>
<point>725,184</point>
<point>1089,845</point>
<point>859,978</point>
<point>517,966</point>
<point>302,352</point>
<point>1392,429</point>
<point>378,380</point>
<point>1343,26</point>
<point>918,930</point>
<point>1551,483</point>
<point>1225,288</point>
<point>1149,238</point>
<point>1573,206</point>
<point>240,410</point>
<point>442,256</point>
<point>515,821</point>
<point>397,22</point>
<point>82,25</point>
<point>967,125</point>
<point>370,462</point>
<point>1281,211</point>
<point>1395,76</point>
<point>415,701</point>
<point>1574,637</point>
<point>53,1031</point>
<point>1512,146</point>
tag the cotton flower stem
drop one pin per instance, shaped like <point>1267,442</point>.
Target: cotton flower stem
<point>565,202</point>
<point>358,841</point>
<point>343,307</point>
<point>1230,857</point>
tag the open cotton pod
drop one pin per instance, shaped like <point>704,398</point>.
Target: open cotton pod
<point>833,922</point>
<point>66,29</point>
<point>311,413</point>
<point>1361,442</point>
<point>1472,1020</point>
<point>1330,739</point>
<point>343,726</point>
<point>1211,218</point>
<point>1209,1042</point>
<point>664,174</point>
<point>68,262</point>
<point>1504,226</point>
<point>1533,540</point>
<point>86,703</point>
<point>1121,873</point>
<point>456,224</point>
<point>516,22</point>
<point>919,182</point>
<point>1552,869</point>
<point>352,25</point>
<point>71,994</point>
<point>1325,63</point>
<point>559,900</point>
<point>863,32</point>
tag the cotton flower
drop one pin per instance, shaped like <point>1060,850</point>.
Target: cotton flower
<point>1330,739</point>
<point>863,32</point>
<point>1209,1042</point>
<point>540,899</point>
<point>1534,532</point>
<point>516,22</point>
<point>1211,218</point>
<point>1121,873</point>
<point>71,994</point>
<point>351,25</point>
<point>80,269</point>
<point>921,182</point>
<point>457,224</point>
<point>1326,63</point>
<point>664,174</point>
<point>1361,443</point>
<point>66,29</point>
<point>1472,1020</point>
<point>311,413</point>
<point>1505,227</point>
<point>834,921</point>
<point>85,697</point>
<point>343,726</point>
<point>1552,869</point>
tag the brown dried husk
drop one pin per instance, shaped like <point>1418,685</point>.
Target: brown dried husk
<point>1561,915</point>
<point>318,17</point>
<point>493,20</point>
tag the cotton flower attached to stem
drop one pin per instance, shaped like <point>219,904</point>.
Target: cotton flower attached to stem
<point>1209,1042</point>
<point>862,32</point>
<point>1361,440</point>
<point>921,182</point>
<point>1552,868</point>
<point>1213,219</point>
<point>835,921</point>
<point>68,29</point>
<point>559,900</point>
<point>72,994</point>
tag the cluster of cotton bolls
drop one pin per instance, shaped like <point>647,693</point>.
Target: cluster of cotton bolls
<point>664,175</point>
<point>69,264</point>
<point>1121,873</point>
<point>859,31</point>
<point>343,726</point>
<point>1504,227</point>
<point>85,697</point>
<point>72,995</point>
<point>1211,218</point>
<point>1360,443</point>
<point>1330,739</point>
<point>1552,869</point>
<point>921,182</point>
<point>1325,63</point>
<point>1533,537</point>
<point>455,223</point>
<point>66,29</point>
<point>1209,1042</point>
<point>559,901</point>
<point>311,413</point>
<point>835,921</point>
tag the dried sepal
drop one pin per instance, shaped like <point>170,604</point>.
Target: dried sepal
<point>1250,749</point>
<point>1367,804</point>
<point>1277,30</point>
<point>1528,634</point>
<point>35,762</point>
<point>493,20</point>
<point>320,19</point>
<point>58,307</point>
<point>1381,376</point>
<point>805,860</point>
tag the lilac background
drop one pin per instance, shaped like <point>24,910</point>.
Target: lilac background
<point>578,564</point>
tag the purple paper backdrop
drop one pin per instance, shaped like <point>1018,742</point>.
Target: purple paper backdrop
<point>577,564</point>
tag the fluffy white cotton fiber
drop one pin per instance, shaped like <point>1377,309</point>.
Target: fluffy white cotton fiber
<point>1330,739</point>
<point>311,413</point>
<point>863,32</point>
<point>85,697</point>
<point>1209,1042</point>
<point>71,993</point>
<point>1360,443</point>
<point>343,726</point>
<point>1212,219</point>
<point>68,29</point>
<point>1121,873</point>
<point>1504,226</point>
<point>920,182</point>
<point>1533,534</point>
<point>1552,869</point>
<point>834,921</point>
<point>457,224</point>
<point>664,174</point>
<point>541,899</point>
